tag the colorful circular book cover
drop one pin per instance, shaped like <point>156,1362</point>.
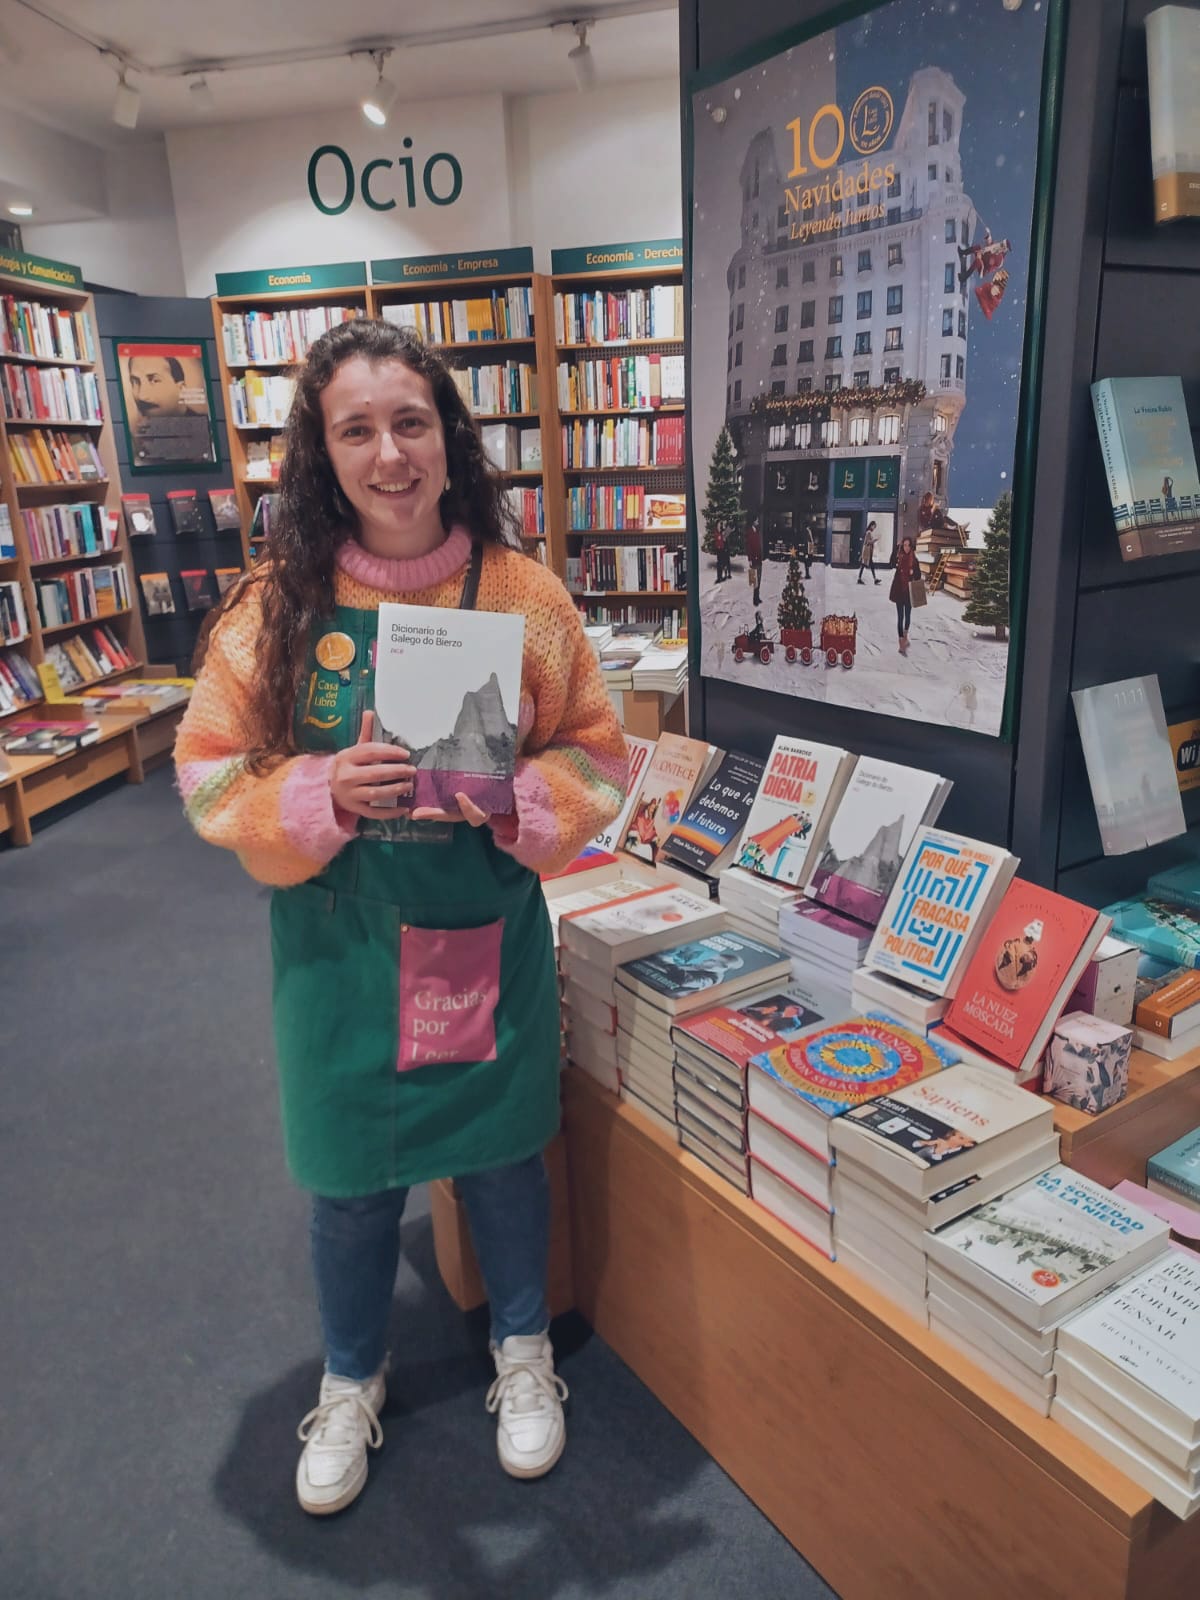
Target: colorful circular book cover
<point>847,1063</point>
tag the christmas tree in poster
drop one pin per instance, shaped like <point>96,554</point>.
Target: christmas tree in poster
<point>794,609</point>
<point>987,603</point>
<point>723,507</point>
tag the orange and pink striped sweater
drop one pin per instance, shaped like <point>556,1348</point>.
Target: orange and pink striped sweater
<point>572,766</point>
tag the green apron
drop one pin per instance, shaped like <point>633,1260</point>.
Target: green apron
<point>415,996</point>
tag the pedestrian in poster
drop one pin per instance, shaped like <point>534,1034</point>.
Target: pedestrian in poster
<point>908,572</point>
<point>867,555</point>
<point>721,547</point>
<point>807,548</point>
<point>754,556</point>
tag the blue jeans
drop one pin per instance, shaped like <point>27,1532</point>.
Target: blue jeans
<point>356,1250</point>
<point>903,616</point>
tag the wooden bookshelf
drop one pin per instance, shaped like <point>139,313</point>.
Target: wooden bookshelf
<point>343,285</point>
<point>648,265</point>
<point>456,276</point>
<point>59,287</point>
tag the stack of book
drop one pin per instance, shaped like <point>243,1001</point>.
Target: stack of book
<point>1003,1277</point>
<point>617,659</point>
<point>918,1158</point>
<point>1127,1374</point>
<point>1174,1173</point>
<point>754,903</point>
<point>594,943</point>
<point>713,1049</point>
<point>654,992</point>
<point>1168,1012</point>
<point>795,1092</point>
<point>825,945</point>
<point>663,668</point>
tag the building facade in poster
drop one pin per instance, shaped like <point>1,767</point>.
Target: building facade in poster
<point>862,226</point>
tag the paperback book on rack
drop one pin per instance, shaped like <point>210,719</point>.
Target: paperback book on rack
<point>640,750</point>
<point>675,770</point>
<point>790,816</point>
<point>706,836</point>
<point>1150,464</point>
<point>447,689</point>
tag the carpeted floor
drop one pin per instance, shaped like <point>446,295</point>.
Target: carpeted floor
<point>156,1322</point>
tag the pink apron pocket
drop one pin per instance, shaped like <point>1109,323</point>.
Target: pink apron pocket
<point>449,991</point>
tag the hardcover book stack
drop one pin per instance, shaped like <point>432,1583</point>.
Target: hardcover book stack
<point>1127,1376</point>
<point>1003,1277</point>
<point>918,1158</point>
<point>754,903</point>
<point>713,1049</point>
<point>1174,1172</point>
<point>826,946</point>
<point>797,1090</point>
<point>593,945</point>
<point>1167,1013</point>
<point>654,992</point>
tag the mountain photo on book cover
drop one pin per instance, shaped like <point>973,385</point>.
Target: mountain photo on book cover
<point>447,689</point>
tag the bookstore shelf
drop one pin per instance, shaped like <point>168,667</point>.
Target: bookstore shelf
<point>54,422</point>
<point>624,344</point>
<point>624,411</point>
<point>63,486</point>
<point>70,556</point>
<point>85,622</point>
<point>41,361</point>
<point>632,594</point>
<point>949,1463</point>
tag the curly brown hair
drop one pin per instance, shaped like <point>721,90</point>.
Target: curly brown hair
<point>313,517</point>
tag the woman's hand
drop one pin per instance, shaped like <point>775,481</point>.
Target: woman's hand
<point>369,773</point>
<point>467,811</point>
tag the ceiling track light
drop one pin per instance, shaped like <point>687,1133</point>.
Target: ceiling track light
<point>383,96</point>
<point>20,208</point>
<point>127,103</point>
<point>200,93</point>
<point>583,62</point>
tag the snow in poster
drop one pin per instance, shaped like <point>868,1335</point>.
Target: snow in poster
<point>863,209</point>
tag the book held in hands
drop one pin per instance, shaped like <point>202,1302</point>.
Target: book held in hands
<point>447,689</point>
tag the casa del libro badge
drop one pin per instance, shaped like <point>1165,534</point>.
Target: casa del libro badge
<point>335,651</point>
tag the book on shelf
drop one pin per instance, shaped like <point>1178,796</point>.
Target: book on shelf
<point>50,333</point>
<point>8,548</point>
<point>639,751</point>
<point>50,394</point>
<point>1150,464</point>
<point>1180,883</point>
<point>590,443</point>
<point>447,688</point>
<point>226,577</point>
<point>1173,69</point>
<point>630,569</point>
<point>19,685</point>
<point>501,314</point>
<point>1130,764</point>
<point>184,506</point>
<point>1175,1171</point>
<point>224,507</point>
<point>627,382</point>
<point>1021,975</point>
<point>261,399</point>
<point>600,316</point>
<point>610,507</point>
<point>1173,1007</point>
<point>870,833</point>
<point>803,1085</point>
<point>157,597</point>
<point>280,335</point>
<point>706,835</point>
<point>199,589</point>
<point>85,592</point>
<point>139,516</point>
<point>1163,928</point>
<point>790,817</point>
<point>675,770</point>
<point>264,513</point>
<point>944,898</point>
<point>148,695</point>
<point>88,656</point>
<point>527,506</point>
<point>58,738</point>
<point>53,455</point>
<point>1045,1248</point>
<point>666,512</point>
<point>14,623</point>
<point>498,388</point>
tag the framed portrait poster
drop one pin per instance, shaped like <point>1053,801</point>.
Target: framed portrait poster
<point>167,406</point>
<point>869,211</point>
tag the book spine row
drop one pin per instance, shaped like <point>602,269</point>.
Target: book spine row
<point>49,333</point>
<point>67,530</point>
<point>50,456</point>
<point>88,657</point>
<point>50,394</point>
<point>19,684</point>
<point>623,442</point>
<point>528,507</point>
<point>504,314</point>
<point>672,619</point>
<point>495,391</point>
<point>8,550</point>
<point>629,383</point>
<point>79,595</point>
<point>278,336</point>
<point>261,400</point>
<point>601,316</point>
<point>651,568</point>
<point>14,624</point>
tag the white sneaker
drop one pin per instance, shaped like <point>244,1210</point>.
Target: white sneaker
<point>336,1434</point>
<point>528,1394</point>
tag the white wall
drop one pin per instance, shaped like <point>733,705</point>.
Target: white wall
<point>242,199</point>
<point>61,176</point>
<point>136,245</point>
<point>596,168</point>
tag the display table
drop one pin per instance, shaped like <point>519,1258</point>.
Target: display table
<point>891,1462</point>
<point>1163,1102</point>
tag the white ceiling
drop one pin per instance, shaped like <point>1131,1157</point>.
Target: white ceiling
<point>65,82</point>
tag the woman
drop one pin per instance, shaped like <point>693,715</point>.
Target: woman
<point>385,495</point>
<point>907,568</point>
